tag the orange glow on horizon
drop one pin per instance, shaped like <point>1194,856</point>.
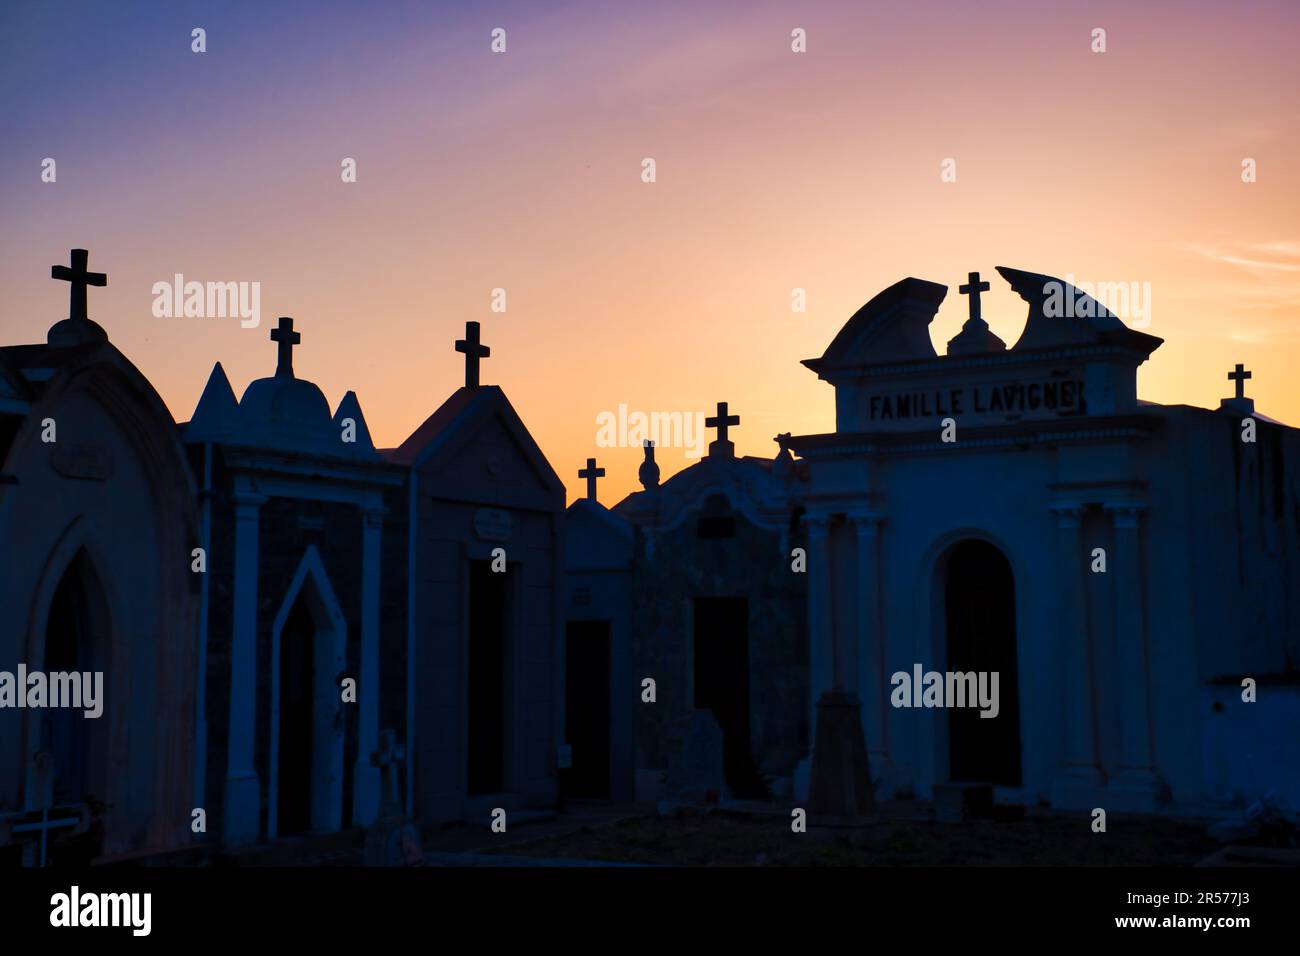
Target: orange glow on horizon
<point>776,171</point>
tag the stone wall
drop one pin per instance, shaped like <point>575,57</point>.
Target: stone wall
<point>671,570</point>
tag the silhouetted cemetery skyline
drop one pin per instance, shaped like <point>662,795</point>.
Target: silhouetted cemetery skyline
<point>304,634</point>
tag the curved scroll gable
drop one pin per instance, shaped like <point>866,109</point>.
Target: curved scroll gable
<point>1059,314</point>
<point>893,327</point>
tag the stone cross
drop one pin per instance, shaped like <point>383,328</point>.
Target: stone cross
<point>40,781</point>
<point>1239,375</point>
<point>973,288</point>
<point>591,473</point>
<point>722,421</point>
<point>385,758</point>
<point>77,275</point>
<point>287,338</point>
<point>42,816</point>
<point>473,352</point>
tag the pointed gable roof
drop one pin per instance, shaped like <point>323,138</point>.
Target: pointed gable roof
<point>892,327</point>
<point>216,413</point>
<point>350,407</point>
<point>466,413</point>
<point>412,451</point>
<point>602,516</point>
<point>596,538</point>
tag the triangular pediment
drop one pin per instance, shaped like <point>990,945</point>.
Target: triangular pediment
<point>476,448</point>
<point>596,537</point>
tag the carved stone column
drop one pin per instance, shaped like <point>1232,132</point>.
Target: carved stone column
<point>1080,778</point>
<point>1137,785</point>
<point>821,651</point>
<point>242,802</point>
<point>821,625</point>
<point>365,775</point>
<point>870,644</point>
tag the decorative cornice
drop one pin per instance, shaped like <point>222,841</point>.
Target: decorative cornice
<point>946,365</point>
<point>361,472</point>
<point>1068,515</point>
<point>1122,495</point>
<point>1125,514</point>
<point>866,522</point>
<point>1025,435</point>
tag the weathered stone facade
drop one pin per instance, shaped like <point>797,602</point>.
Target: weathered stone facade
<point>725,528</point>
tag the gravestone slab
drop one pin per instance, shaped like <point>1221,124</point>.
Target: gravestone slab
<point>392,840</point>
<point>695,771</point>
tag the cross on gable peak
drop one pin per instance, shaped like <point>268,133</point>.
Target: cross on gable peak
<point>1239,375</point>
<point>591,473</point>
<point>284,335</point>
<point>474,351</point>
<point>973,288</point>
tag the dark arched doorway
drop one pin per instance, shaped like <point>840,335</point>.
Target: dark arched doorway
<point>76,643</point>
<point>980,627</point>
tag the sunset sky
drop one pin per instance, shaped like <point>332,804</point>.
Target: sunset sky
<point>522,170</point>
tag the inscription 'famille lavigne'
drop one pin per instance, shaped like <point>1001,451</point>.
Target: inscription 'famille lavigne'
<point>1062,397</point>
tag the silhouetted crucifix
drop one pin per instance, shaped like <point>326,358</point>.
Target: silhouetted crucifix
<point>1239,375</point>
<point>973,288</point>
<point>386,759</point>
<point>80,279</point>
<point>591,473</point>
<point>287,338</point>
<point>474,351</point>
<point>722,421</point>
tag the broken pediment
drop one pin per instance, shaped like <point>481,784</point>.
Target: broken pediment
<point>893,327</point>
<point>1060,314</point>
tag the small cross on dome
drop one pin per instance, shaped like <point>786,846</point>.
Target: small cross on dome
<point>722,422</point>
<point>80,278</point>
<point>591,473</point>
<point>286,338</point>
